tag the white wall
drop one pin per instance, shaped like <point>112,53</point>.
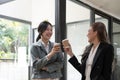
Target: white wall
<point>74,12</point>
<point>21,9</point>
<point>43,10</point>
<point>39,10</point>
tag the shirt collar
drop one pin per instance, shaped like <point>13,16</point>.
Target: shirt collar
<point>44,43</point>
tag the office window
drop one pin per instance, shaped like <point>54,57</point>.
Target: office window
<point>116,43</point>
<point>14,44</point>
<point>78,23</point>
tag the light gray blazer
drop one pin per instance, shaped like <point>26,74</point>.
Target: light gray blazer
<point>54,65</point>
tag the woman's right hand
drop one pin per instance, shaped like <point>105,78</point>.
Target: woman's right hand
<point>68,50</point>
<point>56,48</point>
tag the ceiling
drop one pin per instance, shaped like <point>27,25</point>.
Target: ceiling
<point>111,7</point>
<point>4,1</point>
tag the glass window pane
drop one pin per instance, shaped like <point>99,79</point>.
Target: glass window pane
<point>116,43</point>
<point>116,27</point>
<point>14,44</point>
<point>77,28</point>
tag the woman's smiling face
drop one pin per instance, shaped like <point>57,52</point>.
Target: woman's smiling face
<point>47,33</point>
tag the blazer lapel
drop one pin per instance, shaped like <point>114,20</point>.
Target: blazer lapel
<point>50,46</point>
<point>42,48</point>
<point>97,54</point>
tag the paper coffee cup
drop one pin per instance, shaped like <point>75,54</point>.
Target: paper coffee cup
<point>65,43</point>
<point>57,45</point>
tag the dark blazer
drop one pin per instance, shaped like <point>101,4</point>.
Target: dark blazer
<point>102,62</point>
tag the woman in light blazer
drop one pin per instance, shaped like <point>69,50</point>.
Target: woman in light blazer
<point>47,59</point>
<point>96,62</point>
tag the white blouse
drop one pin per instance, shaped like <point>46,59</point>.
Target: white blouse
<point>46,46</point>
<point>89,62</point>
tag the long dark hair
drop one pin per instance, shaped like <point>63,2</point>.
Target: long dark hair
<point>101,31</point>
<point>102,36</point>
<point>42,27</point>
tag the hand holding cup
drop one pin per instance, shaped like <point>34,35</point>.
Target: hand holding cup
<point>65,43</point>
<point>56,47</point>
<point>67,47</point>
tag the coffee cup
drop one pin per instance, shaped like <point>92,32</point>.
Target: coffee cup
<point>57,45</point>
<point>65,43</point>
